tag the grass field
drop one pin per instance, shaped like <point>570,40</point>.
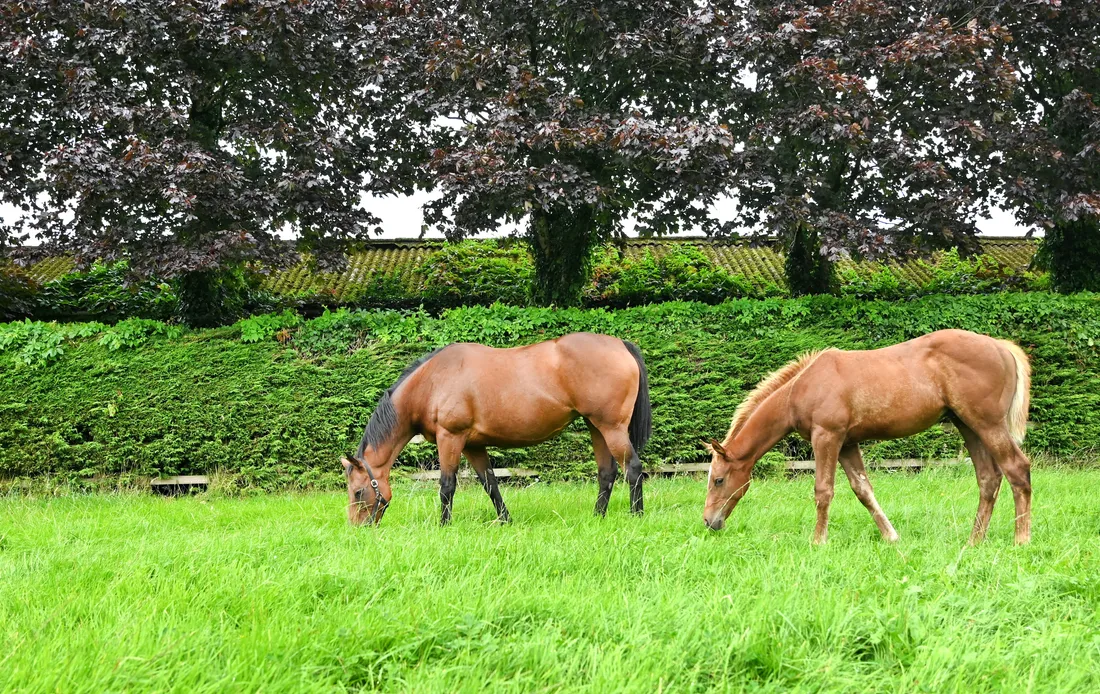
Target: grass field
<point>135,593</point>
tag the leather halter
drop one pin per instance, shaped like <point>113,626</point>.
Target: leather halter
<point>379,502</point>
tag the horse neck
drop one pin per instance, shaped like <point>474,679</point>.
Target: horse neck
<point>385,455</point>
<point>767,424</point>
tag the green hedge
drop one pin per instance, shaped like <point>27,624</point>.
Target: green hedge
<point>277,399</point>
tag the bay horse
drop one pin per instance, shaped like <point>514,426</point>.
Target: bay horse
<point>836,399</point>
<point>465,397</point>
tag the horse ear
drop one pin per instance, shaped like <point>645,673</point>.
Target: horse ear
<point>349,464</point>
<point>716,447</point>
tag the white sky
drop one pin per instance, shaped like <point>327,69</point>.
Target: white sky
<point>402,217</point>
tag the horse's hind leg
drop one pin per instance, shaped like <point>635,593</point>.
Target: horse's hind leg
<point>1017,468</point>
<point>618,442</point>
<point>852,460</point>
<point>608,470</point>
<point>479,461</point>
<point>989,481</point>
<point>450,454</point>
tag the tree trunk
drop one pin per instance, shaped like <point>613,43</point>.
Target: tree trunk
<point>808,271</point>
<point>215,296</point>
<point>1071,251</point>
<point>561,244</point>
<point>209,298</point>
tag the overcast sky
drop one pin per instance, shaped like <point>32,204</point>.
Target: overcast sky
<point>402,218</point>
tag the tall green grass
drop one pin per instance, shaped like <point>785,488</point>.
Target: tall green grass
<point>136,593</point>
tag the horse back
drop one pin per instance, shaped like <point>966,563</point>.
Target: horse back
<point>522,395</point>
<point>902,389</point>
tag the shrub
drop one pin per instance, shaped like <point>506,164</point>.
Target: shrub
<point>773,464</point>
<point>106,292</point>
<point>683,273</point>
<point>282,410</point>
<point>948,272</point>
<point>18,293</point>
<point>478,272</point>
<point>875,281</point>
<point>266,326</point>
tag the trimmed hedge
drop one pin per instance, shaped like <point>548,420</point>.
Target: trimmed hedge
<point>276,400</point>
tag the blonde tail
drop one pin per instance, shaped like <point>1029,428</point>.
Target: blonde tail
<point>1021,398</point>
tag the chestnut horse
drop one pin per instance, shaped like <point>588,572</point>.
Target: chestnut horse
<point>466,397</point>
<point>835,399</point>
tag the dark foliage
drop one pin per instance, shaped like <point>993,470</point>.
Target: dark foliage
<point>863,123</point>
<point>576,115</point>
<point>864,128</point>
<point>1050,171</point>
<point>18,293</point>
<point>185,136</point>
<point>1071,252</point>
<point>808,270</point>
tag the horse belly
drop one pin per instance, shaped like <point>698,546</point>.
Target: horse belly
<point>895,418</point>
<point>514,418</point>
<point>894,429</point>
<point>518,430</point>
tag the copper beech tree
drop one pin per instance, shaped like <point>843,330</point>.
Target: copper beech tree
<point>866,130</point>
<point>186,136</point>
<point>845,127</point>
<point>567,118</point>
<point>1050,165</point>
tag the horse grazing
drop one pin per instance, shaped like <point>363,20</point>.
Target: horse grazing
<point>836,399</point>
<point>465,397</point>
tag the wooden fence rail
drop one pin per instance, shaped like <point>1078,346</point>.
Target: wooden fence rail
<point>793,466</point>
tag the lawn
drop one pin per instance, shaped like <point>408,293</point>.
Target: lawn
<point>131,592</point>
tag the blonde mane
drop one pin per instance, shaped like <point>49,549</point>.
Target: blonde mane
<point>770,383</point>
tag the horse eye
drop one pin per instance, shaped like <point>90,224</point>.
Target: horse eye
<point>718,481</point>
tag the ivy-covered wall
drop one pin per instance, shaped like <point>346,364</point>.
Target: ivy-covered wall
<point>276,399</point>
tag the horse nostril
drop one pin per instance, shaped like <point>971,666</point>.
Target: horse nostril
<point>716,524</point>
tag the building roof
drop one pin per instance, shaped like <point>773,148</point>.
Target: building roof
<point>761,265</point>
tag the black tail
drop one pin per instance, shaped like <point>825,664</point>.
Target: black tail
<point>641,420</point>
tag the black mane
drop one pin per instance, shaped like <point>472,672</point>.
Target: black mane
<point>384,418</point>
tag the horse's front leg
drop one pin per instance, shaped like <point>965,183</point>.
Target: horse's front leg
<point>852,460</point>
<point>826,450</point>
<point>450,454</point>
